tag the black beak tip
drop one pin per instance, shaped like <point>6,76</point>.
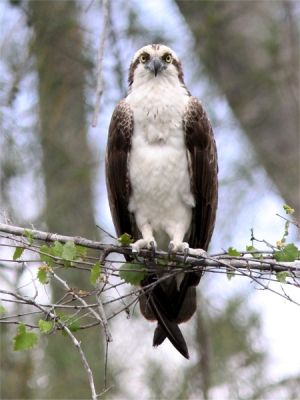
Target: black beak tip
<point>157,66</point>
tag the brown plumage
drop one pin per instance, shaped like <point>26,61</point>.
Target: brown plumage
<point>165,303</point>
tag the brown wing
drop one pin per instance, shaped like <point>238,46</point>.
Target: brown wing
<point>116,168</point>
<point>203,167</point>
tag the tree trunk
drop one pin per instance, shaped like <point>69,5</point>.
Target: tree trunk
<point>67,169</point>
<point>250,49</point>
<point>67,159</point>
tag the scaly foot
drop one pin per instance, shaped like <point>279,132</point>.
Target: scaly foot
<point>184,248</point>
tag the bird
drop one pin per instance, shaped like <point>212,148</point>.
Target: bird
<point>161,176</point>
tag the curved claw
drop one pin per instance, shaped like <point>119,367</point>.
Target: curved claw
<point>185,254</point>
<point>152,248</point>
<point>170,248</point>
<point>135,255</point>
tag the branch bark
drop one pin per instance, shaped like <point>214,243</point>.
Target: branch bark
<point>205,261</point>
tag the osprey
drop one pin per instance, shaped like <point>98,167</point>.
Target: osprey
<point>161,175</point>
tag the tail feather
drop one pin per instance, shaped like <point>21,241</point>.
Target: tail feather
<point>182,308</point>
<point>159,336</point>
<point>169,308</point>
<point>170,329</point>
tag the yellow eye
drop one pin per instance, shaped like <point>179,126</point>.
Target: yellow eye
<point>143,59</point>
<point>168,58</point>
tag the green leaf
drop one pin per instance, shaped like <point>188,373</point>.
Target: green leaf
<point>57,249</point>
<point>131,276</point>
<point>24,340</point>
<point>255,255</point>
<point>95,273</point>
<point>66,264</point>
<point>42,275</point>
<point>233,252</point>
<point>81,250</point>
<point>230,273</point>
<point>288,253</point>
<point>18,252</point>
<point>250,248</point>
<point>69,251</point>
<point>74,326</point>
<point>2,310</point>
<point>45,326</point>
<point>281,276</point>
<point>29,236</point>
<point>125,239</point>
<point>71,322</point>
<point>48,260</point>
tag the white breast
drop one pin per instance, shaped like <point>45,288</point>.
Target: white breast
<point>158,168</point>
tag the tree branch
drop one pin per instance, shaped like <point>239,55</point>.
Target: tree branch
<point>75,302</point>
<point>265,264</point>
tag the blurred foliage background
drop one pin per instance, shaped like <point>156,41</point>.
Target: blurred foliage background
<point>241,58</point>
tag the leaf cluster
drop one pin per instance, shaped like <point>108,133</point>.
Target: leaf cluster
<point>25,340</point>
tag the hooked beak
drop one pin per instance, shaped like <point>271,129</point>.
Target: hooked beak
<point>155,65</point>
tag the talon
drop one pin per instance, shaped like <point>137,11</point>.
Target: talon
<point>185,254</point>
<point>170,248</point>
<point>135,255</point>
<point>152,245</point>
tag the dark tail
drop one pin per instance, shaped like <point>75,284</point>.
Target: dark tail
<point>168,326</point>
<point>170,307</point>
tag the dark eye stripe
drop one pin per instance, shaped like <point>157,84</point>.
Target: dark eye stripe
<point>167,56</point>
<point>145,55</point>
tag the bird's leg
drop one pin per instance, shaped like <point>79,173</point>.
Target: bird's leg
<point>148,241</point>
<point>177,244</point>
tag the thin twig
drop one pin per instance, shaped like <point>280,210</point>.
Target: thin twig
<point>288,220</point>
<point>102,319</point>
<point>18,323</point>
<point>104,391</point>
<point>107,233</point>
<point>102,313</point>
<point>83,358</point>
<point>24,262</point>
<point>99,288</point>
<point>63,326</point>
<point>229,265</point>
<point>105,13</point>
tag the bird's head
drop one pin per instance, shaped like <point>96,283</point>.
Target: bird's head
<point>153,61</point>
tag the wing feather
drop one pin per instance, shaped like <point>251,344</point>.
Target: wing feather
<point>203,167</point>
<point>116,167</point>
